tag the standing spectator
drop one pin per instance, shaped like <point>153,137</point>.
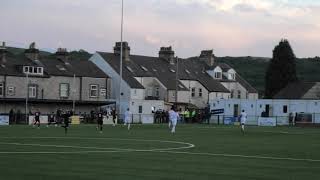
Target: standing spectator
<point>92,116</point>
<point>193,115</point>
<point>187,115</point>
<point>100,121</point>
<point>11,116</point>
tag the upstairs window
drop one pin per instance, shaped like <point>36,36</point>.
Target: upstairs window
<point>144,68</point>
<point>1,89</point>
<point>94,90</point>
<point>64,90</point>
<point>200,92</point>
<point>217,75</point>
<point>239,94</point>
<point>157,91</point>
<point>33,70</point>
<point>32,91</point>
<point>193,92</point>
<point>232,76</point>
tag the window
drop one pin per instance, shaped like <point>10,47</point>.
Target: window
<point>103,92</point>
<point>193,91</point>
<point>149,91</point>
<point>144,68</point>
<point>140,109</point>
<point>200,92</point>
<point>11,91</point>
<point>26,69</point>
<point>239,94</point>
<point>40,70</point>
<point>33,70</point>
<point>285,109</point>
<point>94,90</point>
<point>232,76</point>
<point>1,89</point>
<point>157,93</point>
<point>172,70</point>
<point>232,93</point>
<point>32,92</point>
<point>64,90</point>
<point>129,68</point>
<point>217,75</point>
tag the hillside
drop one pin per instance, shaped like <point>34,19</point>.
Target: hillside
<point>253,69</point>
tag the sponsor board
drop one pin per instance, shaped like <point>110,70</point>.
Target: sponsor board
<point>4,120</point>
<point>267,121</point>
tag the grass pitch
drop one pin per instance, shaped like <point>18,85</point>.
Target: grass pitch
<point>152,152</point>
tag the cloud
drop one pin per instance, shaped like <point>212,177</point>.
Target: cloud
<point>230,27</point>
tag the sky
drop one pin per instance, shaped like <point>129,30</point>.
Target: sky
<point>229,27</point>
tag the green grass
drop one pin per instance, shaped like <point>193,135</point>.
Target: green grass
<point>264,153</point>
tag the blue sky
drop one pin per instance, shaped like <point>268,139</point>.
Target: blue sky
<point>229,27</point>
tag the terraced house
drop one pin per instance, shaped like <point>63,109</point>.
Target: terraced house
<point>153,82</point>
<point>49,82</point>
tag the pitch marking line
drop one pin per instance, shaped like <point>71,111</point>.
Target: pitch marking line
<point>117,150</point>
<point>243,156</point>
<point>185,145</point>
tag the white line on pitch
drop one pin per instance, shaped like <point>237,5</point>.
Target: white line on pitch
<point>243,156</point>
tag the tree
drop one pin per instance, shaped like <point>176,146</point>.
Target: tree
<point>281,70</point>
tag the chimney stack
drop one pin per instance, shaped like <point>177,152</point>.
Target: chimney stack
<point>168,54</point>
<point>3,52</point>
<point>32,53</point>
<point>62,54</point>
<point>207,56</point>
<point>125,50</point>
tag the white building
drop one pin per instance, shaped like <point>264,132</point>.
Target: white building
<point>151,82</point>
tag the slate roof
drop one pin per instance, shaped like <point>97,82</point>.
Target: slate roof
<point>77,66</point>
<point>294,90</point>
<point>164,71</point>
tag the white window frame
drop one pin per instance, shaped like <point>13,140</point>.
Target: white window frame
<point>217,75</point>
<point>32,91</point>
<point>157,91</point>
<point>1,89</point>
<point>193,92</point>
<point>64,93</point>
<point>11,91</point>
<point>103,92</point>
<point>239,94</point>
<point>94,88</point>
<point>200,92</point>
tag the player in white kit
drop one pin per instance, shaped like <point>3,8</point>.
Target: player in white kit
<point>173,118</point>
<point>127,118</point>
<point>243,119</point>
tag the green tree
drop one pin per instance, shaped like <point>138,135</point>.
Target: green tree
<point>281,70</point>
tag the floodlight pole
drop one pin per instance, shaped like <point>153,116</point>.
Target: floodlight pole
<point>121,52</point>
<point>177,80</point>
<point>74,94</point>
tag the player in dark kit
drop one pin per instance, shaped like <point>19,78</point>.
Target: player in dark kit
<point>114,116</point>
<point>100,121</point>
<point>65,117</point>
<point>37,119</point>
